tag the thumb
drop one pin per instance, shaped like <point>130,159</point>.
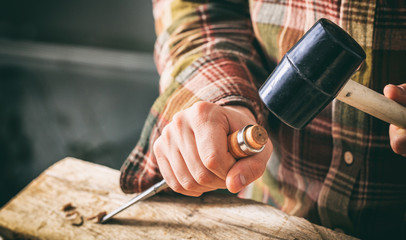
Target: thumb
<point>247,170</point>
<point>396,93</point>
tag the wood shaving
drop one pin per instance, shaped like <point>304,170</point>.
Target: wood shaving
<point>68,207</point>
<point>98,217</point>
<point>78,221</point>
<point>91,218</point>
<point>72,215</point>
<point>75,218</point>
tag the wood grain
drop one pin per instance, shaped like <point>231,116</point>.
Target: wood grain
<point>36,212</point>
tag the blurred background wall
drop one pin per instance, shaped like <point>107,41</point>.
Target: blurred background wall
<point>77,79</point>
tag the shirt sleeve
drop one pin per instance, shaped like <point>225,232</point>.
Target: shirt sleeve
<point>205,51</point>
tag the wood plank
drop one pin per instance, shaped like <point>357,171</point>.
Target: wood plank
<point>36,213</point>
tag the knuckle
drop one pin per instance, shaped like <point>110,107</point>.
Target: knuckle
<point>177,120</point>
<point>156,147</point>
<point>160,160</point>
<point>203,112</point>
<point>203,178</point>
<point>166,137</point>
<point>164,134</point>
<point>202,106</point>
<point>177,187</point>
<point>211,162</point>
<point>189,185</point>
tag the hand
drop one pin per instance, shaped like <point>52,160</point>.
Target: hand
<point>192,152</point>
<point>397,135</point>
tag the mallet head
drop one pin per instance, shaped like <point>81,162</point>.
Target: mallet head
<point>311,74</point>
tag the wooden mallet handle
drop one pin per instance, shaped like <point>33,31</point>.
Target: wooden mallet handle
<point>247,141</point>
<point>373,103</point>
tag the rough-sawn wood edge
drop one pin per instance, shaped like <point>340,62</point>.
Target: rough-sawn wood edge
<point>11,232</point>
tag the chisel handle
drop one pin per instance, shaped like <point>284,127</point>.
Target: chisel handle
<point>247,141</point>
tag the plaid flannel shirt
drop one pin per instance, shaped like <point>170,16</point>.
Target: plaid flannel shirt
<point>339,171</point>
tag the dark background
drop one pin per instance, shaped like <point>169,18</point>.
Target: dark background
<point>77,79</point>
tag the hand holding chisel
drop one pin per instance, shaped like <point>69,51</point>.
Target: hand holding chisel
<point>247,141</point>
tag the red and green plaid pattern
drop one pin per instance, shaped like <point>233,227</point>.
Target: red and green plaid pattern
<point>221,51</point>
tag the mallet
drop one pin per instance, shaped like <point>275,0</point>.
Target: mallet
<point>313,72</point>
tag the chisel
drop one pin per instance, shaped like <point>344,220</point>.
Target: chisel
<point>247,141</point>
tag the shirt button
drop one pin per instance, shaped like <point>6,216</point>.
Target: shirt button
<point>348,158</point>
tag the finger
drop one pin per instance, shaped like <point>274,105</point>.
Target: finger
<point>213,151</point>
<point>185,162</point>
<point>248,169</point>
<point>210,130</point>
<point>171,180</point>
<point>183,175</point>
<point>398,139</point>
<point>160,148</point>
<point>396,93</point>
<point>195,166</point>
<point>397,135</point>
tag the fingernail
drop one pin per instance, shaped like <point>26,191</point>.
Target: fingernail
<point>242,180</point>
<point>238,182</point>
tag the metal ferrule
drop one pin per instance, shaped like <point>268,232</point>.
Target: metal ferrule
<point>242,142</point>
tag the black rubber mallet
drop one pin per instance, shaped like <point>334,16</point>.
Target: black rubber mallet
<point>316,70</point>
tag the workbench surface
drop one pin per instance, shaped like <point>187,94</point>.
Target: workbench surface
<point>36,212</point>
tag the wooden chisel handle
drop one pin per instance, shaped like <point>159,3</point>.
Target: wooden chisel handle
<point>247,141</point>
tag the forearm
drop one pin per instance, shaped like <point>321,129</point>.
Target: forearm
<point>205,52</point>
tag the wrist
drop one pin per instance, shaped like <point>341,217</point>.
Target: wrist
<point>242,110</point>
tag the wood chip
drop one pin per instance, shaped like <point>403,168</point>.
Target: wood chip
<point>75,218</point>
<point>68,207</point>
<point>91,218</point>
<point>98,217</point>
<point>71,213</point>
<point>77,221</point>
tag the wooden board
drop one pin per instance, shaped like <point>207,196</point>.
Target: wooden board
<point>36,213</point>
